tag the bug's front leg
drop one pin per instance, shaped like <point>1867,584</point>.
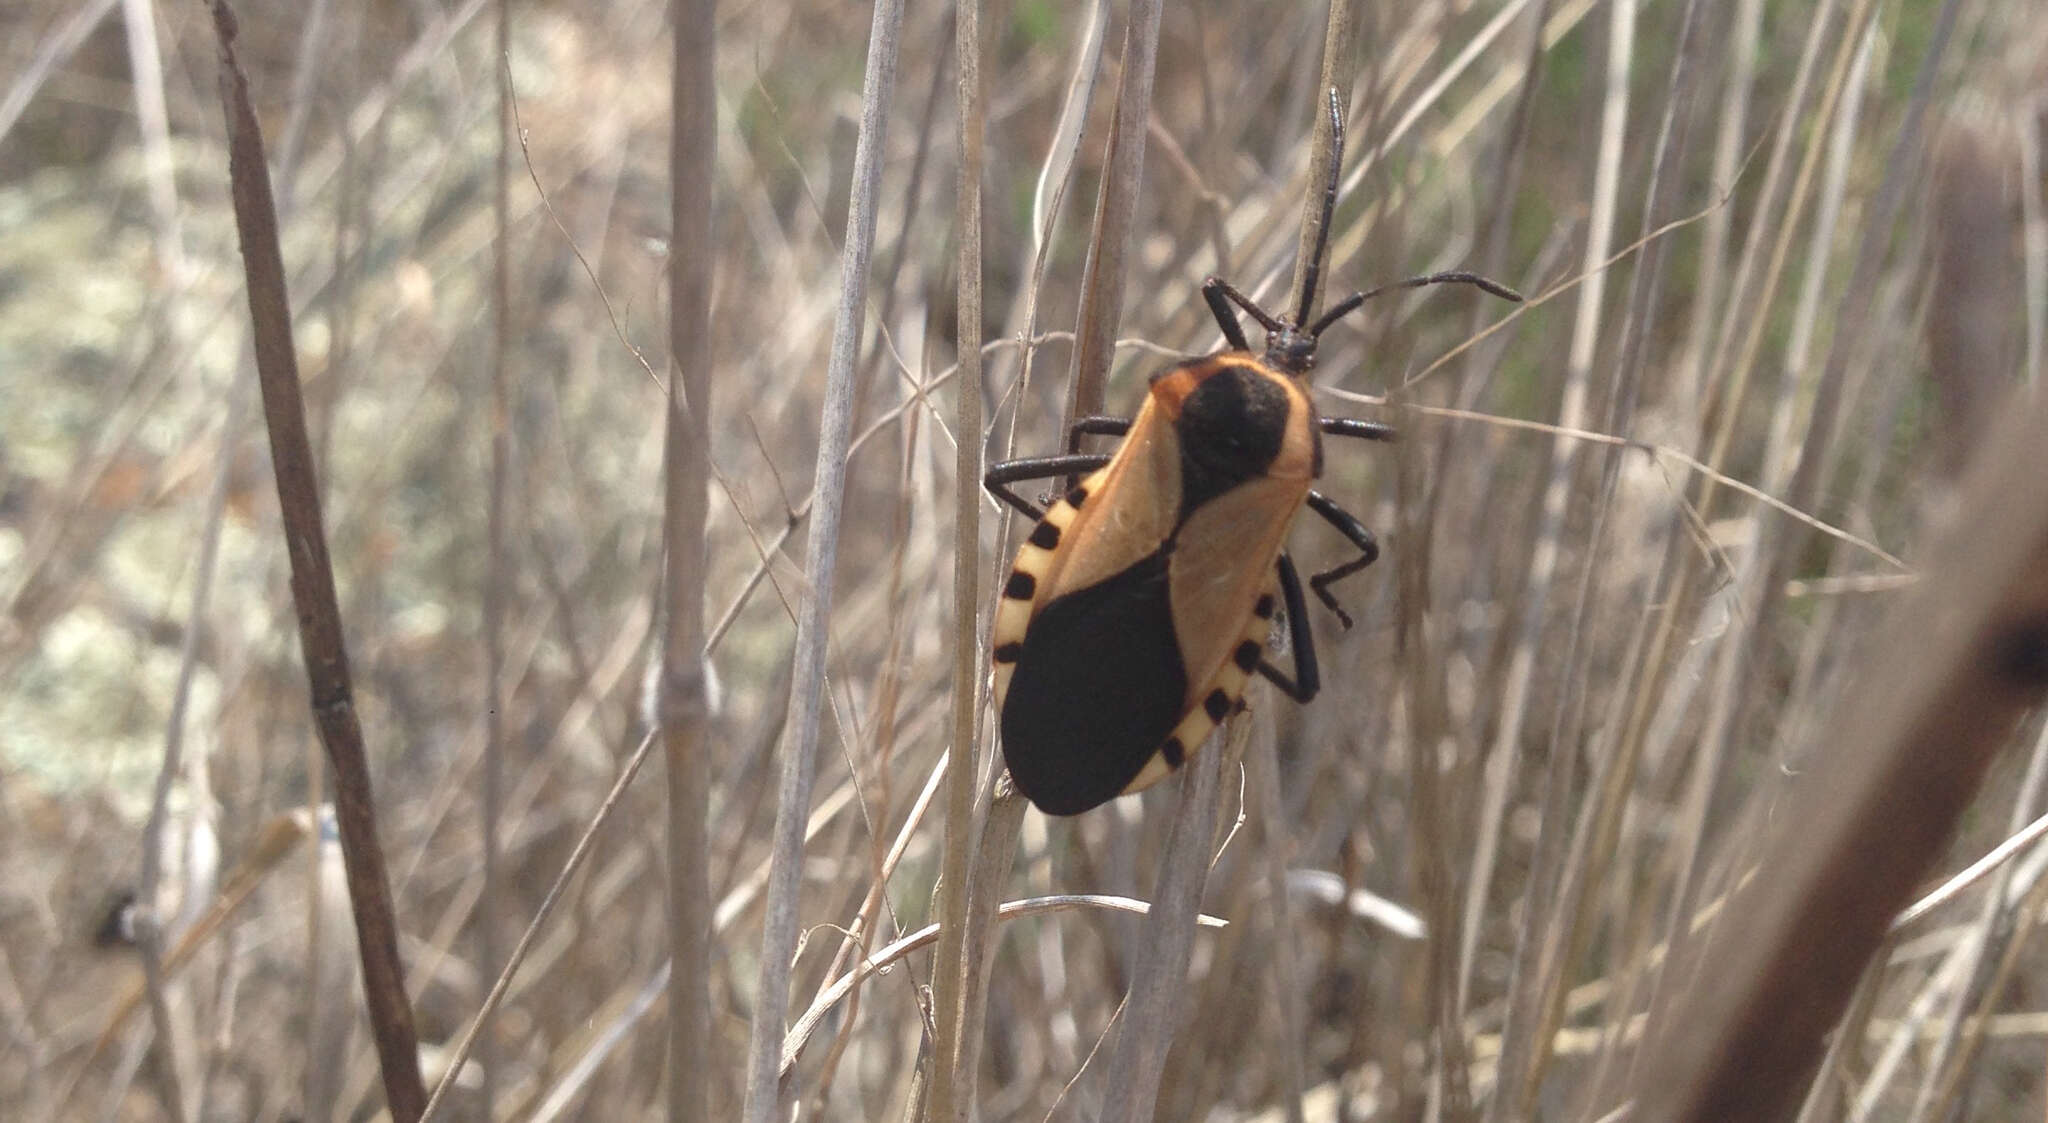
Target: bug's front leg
<point>1221,294</point>
<point>1047,467</point>
<point>1096,426</point>
<point>999,476</point>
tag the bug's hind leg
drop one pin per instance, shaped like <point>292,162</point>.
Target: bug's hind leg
<point>1036,468</point>
<point>1308,677</point>
<point>1347,525</point>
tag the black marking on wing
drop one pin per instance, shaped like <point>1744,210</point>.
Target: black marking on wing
<point>1247,656</point>
<point>1217,705</point>
<point>1021,586</point>
<point>1045,536</point>
<point>1008,652</point>
<point>1098,687</point>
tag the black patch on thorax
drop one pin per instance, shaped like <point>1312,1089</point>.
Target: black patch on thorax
<point>1231,428</point>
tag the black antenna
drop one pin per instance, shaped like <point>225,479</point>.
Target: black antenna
<point>1344,307</point>
<point>1313,275</point>
<point>1291,344</point>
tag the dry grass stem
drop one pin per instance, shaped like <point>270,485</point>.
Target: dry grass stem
<point>807,686</point>
<point>685,703</point>
<point>951,1086</point>
<point>1116,207</point>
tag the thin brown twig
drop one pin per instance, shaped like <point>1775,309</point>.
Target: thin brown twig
<point>312,583</point>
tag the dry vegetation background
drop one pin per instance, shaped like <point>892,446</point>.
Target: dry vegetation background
<point>1576,666</point>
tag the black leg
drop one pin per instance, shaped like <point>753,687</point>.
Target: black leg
<point>1347,525</point>
<point>1221,294</point>
<point>1036,468</point>
<point>1233,332</point>
<point>1308,679</point>
<point>1361,430</point>
<point>1096,426</point>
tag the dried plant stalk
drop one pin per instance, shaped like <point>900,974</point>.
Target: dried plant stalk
<point>319,614</point>
<point>1903,756</point>
<point>952,1051</point>
<point>821,553</point>
<point>1153,1005</point>
<point>1116,209</point>
<point>685,701</point>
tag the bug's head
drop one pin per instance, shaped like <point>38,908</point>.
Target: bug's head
<point>1291,349</point>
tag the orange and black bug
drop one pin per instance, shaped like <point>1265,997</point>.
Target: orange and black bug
<point>1139,606</point>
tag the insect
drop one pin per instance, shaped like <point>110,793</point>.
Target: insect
<point>1141,602</point>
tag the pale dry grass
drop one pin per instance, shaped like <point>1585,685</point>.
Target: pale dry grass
<point>1584,667</point>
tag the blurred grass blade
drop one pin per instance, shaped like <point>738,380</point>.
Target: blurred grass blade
<point>1955,669</point>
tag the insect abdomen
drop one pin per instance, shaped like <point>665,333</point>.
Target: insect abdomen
<point>1098,686</point>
